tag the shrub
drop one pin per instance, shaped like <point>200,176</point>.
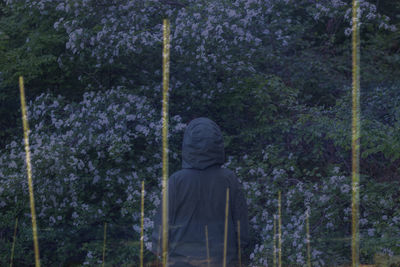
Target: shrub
<point>88,159</point>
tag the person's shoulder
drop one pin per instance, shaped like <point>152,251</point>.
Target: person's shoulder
<point>179,174</point>
<point>228,172</point>
<point>230,175</point>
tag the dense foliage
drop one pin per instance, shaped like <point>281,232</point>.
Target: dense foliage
<point>274,74</point>
<point>70,46</point>
<point>89,160</point>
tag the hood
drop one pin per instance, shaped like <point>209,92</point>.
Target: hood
<point>203,145</point>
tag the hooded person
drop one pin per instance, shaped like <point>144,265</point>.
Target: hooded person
<point>197,201</point>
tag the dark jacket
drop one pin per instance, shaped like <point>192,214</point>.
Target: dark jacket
<point>197,199</point>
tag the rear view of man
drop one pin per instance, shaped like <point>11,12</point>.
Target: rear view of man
<point>197,201</point>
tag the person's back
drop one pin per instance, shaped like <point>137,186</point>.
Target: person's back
<point>197,201</point>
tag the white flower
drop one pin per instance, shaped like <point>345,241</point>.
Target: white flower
<point>345,188</point>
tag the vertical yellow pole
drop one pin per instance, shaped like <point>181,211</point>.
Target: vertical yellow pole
<point>207,248</point>
<point>226,226</point>
<point>141,226</point>
<point>166,46</point>
<point>29,171</point>
<point>355,144</point>
<point>308,240</point>
<point>279,231</point>
<point>13,244</point>
<point>104,243</point>
<point>274,245</point>
<point>240,256</point>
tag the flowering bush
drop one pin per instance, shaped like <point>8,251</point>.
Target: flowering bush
<point>88,163</point>
<point>327,200</point>
<point>89,159</point>
<point>213,42</point>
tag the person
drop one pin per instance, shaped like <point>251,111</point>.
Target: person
<point>196,204</point>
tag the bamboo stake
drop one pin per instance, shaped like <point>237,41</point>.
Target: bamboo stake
<point>166,46</point>
<point>279,231</point>
<point>141,226</point>
<point>13,244</point>
<point>226,226</point>
<point>355,144</point>
<point>29,170</point>
<point>104,243</point>
<point>308,241</point>
<point>207,248</point>
<point>274,245</point>
<point>240,256</point>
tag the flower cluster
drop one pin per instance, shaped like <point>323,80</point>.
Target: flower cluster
<point>327,201</point>
<point>209,38</point>
<point>88,161</point>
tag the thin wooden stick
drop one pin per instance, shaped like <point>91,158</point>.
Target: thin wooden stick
<point>239,252</point>
<point>104,243</point>
<point>226,226</point>
<point>279,231</point>
<point>29,171</point>
<point>355,144</point>
<point>207,248</point>
<point>13,244</point>
<point>274,245</point>
<point>308,241</point>
<point>166,55</point>
<point>141,227</point>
